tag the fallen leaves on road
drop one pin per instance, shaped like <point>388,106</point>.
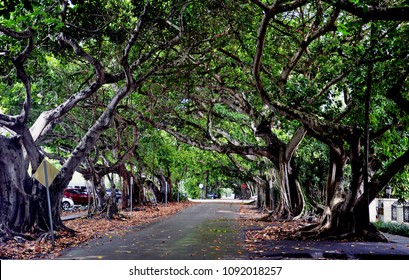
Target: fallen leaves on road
<point>258,231</point>
<point>86,229</point>
<point>274,231</point>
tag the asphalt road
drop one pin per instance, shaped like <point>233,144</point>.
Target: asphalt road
<point>204,231</point>
<point>211,231</point>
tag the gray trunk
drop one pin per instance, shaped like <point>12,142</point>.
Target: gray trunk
<point>14,200</point>
<point>23,203</point>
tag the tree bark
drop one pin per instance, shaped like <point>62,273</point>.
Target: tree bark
<point>15,203</point>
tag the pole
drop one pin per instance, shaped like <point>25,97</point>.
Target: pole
<point>201,190</point>
<point>130,192</point>
<point>368,94</point>
<point>49,204</point>
<point>367,144</point>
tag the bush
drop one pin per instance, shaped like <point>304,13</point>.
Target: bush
<point>393,228</point>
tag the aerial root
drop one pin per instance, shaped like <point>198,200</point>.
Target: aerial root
<point>7,234</point>
<point>45,237</point>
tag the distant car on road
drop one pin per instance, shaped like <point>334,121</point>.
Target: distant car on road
<point>67,203</point>
<point>212,196</point>
<point>77,195</point>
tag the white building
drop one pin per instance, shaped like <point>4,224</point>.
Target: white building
<point>388,210</point>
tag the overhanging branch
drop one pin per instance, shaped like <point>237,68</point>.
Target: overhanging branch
<point>372,13</point>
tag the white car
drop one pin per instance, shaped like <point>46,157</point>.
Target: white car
<point>67,203</point>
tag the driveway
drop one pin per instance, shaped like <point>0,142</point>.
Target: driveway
<point>203,231</point>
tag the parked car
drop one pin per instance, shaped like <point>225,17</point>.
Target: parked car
<point>67,203</point>
<point>77,195</point>
<point>118,194</point>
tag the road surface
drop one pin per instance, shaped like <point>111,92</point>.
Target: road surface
<point>203,231</point>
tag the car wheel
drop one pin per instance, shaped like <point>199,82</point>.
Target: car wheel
<point>65,205</point>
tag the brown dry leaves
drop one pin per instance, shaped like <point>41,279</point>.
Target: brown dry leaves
<point>258,231</point>
<point>275,231</point>
<point>86,229</point>
<point>260,235</point>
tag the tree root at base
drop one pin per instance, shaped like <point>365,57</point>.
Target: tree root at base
<point>320,232</point>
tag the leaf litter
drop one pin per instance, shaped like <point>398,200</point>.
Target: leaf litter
<point>258,232</point>
<point>86,229</point>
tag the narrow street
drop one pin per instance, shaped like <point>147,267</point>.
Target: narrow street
<point>204,231</point>
<point>211,231</point>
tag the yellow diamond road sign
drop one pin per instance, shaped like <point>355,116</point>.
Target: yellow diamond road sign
<point>51,173</point>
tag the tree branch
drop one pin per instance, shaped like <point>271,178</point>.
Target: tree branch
<point>372,13</point>
<point>15,123</point>
<point>42,125</point>
<point>380,181</point>
<point>316,33</point>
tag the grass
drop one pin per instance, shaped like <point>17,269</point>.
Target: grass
<point>393,228</point>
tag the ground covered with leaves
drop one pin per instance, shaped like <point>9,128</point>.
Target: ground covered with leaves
<point>262,237</point>
<point>86,229</point>
<point>257,230</point>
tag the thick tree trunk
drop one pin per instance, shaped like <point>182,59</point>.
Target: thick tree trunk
<point>170,189</point>
<point>345,214</point>
<point>334,198</point>
<point>263,197</point>
<point>23,203</point>
<point>281,192</point>
<point>291,197</point>
<point>335,176</point>
<point>14,200</point>
<point>291,202</point>
<point>344,220</point>
<point>158,195</point>
<point>126,183</point>
<point>138,197</point>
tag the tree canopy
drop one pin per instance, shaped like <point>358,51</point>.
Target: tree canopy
<point>305,102</point>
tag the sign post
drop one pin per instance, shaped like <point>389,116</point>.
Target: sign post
<point>130,192</point>
<point>201,189</point>
<point>46,176</point>
<point>49,205</point>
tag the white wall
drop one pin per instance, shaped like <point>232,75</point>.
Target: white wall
<point>387,210</point>
<point>77,180</point>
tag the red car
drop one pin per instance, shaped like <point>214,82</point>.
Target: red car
<point>78,196</point>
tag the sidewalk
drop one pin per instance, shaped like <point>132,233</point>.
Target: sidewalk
<point>397,238</point>
<point>74,216</point>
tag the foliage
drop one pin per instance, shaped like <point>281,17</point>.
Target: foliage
<point>312,156</point>
<point>217,107</point>
<point>393,228</point>
<point>400,186</point>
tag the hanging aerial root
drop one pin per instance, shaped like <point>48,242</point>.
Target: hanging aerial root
<point>45,237</point>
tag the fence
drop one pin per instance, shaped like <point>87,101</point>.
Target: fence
<point>406,212</point>
<point>395,211</point>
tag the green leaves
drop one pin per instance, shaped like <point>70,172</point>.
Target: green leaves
<point>205,89</point>
<point>7,7</point>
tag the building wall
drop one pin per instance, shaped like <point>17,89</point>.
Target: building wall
<point>386,214</point>
<point>78,180</point>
